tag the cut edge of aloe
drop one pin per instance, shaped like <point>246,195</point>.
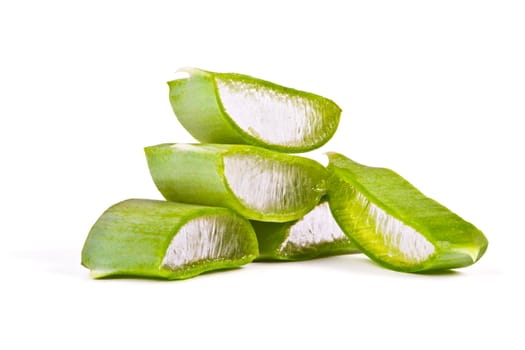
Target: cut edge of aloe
<point>354,192</point>
<point>137,238</point>
<point>206,174</point>
<point>221,127</point>
<point>315,235</point>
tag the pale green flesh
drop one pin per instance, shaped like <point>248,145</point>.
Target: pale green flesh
<point>395,224</point>
<point>314,235</point>
<point>257,183</point>
<point>235,108</point>
<point>167,240</point>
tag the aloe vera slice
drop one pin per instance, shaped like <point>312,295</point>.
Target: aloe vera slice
<point>396,225</point>
<point>140,237</point>
<point>238,109</point>
<point>257,183</point>
<point>314,235</point>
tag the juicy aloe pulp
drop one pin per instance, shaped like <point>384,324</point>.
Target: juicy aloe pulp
<point>395,224</point>
<point>257,183</point>
<point>140,237</point>
<point>314,235</point>
<point>232,108</point>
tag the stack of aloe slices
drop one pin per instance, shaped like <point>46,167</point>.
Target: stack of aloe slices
<point>238,196</point>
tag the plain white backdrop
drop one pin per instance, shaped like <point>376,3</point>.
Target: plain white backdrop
<point>432,89</point>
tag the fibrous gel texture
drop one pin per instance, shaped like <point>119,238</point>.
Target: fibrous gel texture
<point>268,185</point>
<point>316,227</point>
<point>205,239</point>
<point>274,116</point>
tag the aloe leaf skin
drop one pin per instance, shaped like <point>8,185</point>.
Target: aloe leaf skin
<point>258,183</point>
<point>396,225</point>
<point>158,239</point>
<point>313,236</point>
<point>232,108</point>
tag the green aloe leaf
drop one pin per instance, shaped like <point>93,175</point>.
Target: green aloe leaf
<point>395,224</point>
<point>140,237</point>
<point>238,109</point>
<point>257,183</point>
<point>314,235</point>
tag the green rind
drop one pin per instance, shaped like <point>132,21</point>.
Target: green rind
<point>270,235</point>
<point>194,173</point>
<point>131,239</point>
<point>197,105</point>
<point>457,242</point>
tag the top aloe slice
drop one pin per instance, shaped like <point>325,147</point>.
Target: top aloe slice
<point>238,109</point>
<point>257,183</point>
<point>395,224</point>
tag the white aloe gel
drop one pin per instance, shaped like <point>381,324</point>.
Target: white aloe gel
<point>315,228</point>
<point>258,111</point>
<point>202,239</point>
<point>265,184</point>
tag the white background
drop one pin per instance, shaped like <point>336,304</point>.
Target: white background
<point>432,89</point>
